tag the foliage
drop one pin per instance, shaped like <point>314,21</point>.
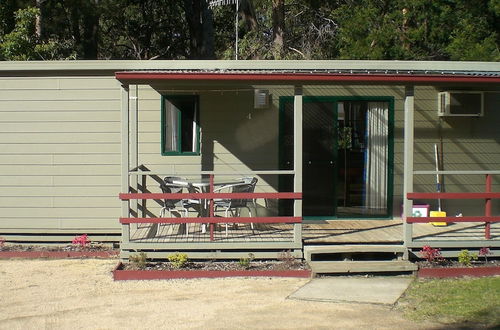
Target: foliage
<point>245,262</point>
<point>484,252</point>
<point>188,29</point>
<point>138,261</point>
<point>134,29</point>
<point>466,258</point>
<point>2,242</point>
<point>81,241</point>
<point>287,259</point>
<point>178,260</point>
<point>345,137</point>
<point>431,255</point>
<point>454,301</point>
<point>22,44</point>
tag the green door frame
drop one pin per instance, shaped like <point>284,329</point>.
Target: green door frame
<point>335,100</point>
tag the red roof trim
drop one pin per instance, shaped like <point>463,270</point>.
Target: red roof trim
<point>302,77</point>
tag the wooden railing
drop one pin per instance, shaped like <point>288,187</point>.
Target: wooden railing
<point>211,219</point>
<point>487,196</point>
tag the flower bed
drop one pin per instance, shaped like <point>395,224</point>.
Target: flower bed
<point>467,264</point>
<point>444,272</point>
<point>128,271</point>
<point>56,252</point>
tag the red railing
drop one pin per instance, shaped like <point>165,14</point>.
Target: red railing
<point>487,196</point>
<point>210,196</point>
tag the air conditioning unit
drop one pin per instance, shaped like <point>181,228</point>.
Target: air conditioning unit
<point>460,103</point>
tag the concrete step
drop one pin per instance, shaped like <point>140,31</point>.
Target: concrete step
<point>330,267</point>
<point>310,250</point>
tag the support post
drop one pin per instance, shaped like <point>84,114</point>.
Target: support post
<point>487,208</point>
<point>297,160</point>
<point>409,132</point>
<point>125,161</point>
<point>134,140</point>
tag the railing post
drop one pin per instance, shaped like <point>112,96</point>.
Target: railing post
<point>211,207</point>
<point>487,208</point>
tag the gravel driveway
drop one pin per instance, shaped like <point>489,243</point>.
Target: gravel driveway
<point>80,294</point>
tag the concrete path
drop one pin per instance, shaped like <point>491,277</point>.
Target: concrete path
<point>385,290</point>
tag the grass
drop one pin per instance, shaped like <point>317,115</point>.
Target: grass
<point>455,301</point>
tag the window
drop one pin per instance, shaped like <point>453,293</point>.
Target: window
<point>180,131</point>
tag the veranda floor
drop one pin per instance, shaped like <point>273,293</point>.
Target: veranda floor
<point>324,232</point>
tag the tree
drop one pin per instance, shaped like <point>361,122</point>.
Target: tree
<point>22,43</point>
<point>200,25</point>
<point>135,29</point>
<point>278,28</point>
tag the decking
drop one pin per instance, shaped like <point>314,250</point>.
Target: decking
<point>325,232</point>
<point>390,232</point>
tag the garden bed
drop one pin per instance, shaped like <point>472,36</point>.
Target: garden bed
<point>455,269</point>
<point>210,269</point>
<point>56,252</point>
<point>466,264</point>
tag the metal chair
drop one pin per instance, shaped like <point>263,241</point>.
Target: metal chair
<point>246,185</point>
<point>175,185</point>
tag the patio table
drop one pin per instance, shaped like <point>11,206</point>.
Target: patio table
<point>204,186</point>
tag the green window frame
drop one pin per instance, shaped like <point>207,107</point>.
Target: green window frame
<point>180,129</point>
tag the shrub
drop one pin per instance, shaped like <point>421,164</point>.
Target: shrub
<point>245,262</point>
<point>484,252</point>
<point>465,257</point>
<point>2,242</point>
<point>178,260</point>
<point>82,240</point>
<point>138,260</point>
<point>287,259</point>
<point>431,255</point>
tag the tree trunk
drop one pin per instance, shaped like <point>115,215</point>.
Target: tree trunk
<point>278,28</point>
<point>39,19</point>
<point>200,25</point>
<point>90,30</point>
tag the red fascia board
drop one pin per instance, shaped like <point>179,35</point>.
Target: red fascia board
<point>302,77</point>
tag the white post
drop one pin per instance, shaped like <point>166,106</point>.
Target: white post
<point>125,166</point>
<point>297,159</point>
<point>409,110</point>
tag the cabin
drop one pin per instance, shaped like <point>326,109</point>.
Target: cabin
<point>344,157</point>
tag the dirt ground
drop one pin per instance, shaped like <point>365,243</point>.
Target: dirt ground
<point>81,294</point>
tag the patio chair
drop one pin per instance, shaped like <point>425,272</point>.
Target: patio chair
<point>175,185</point>
<point>246,185</point>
